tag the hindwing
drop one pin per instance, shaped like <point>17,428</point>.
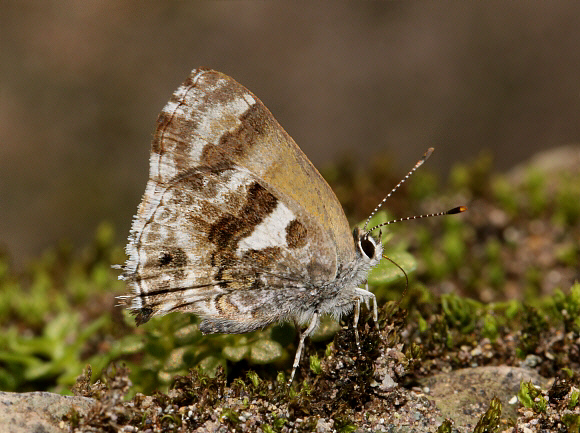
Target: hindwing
<point>234,216</point>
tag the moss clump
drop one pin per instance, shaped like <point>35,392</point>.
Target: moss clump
<point>57,316</point>
<point>445,427</point>
<point>531,397</point>
<point>534,326</point>
<point>490,420</point>
<point>567,308</point>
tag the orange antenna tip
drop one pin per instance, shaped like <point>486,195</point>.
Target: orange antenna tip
<point>457,209</point>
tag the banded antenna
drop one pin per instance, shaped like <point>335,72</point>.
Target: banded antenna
<point>419,164</point>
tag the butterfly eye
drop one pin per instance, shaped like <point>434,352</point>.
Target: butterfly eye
<point>368,247</point>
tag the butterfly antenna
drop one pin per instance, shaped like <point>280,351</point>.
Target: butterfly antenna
<point>455,210</point>
<point>419,164</point>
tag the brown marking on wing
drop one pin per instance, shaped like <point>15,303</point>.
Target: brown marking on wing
<point>229,229</point>
<point>173,134</point>
<point>163,121</point>
<point>173,257</point>
<point>263,147</point>
<point>238,143</point>
<point>213,156</point>
<point>263,258</point>
<point>296,234</point>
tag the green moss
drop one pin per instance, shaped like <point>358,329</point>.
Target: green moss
<point>343,424</point>
<point>567,308</point>
<point>267,428</point>
<point>574,399</point>
<point>425,184</point>
<point>422,324</point>
<point>473,177</point>
<point>254,378</point>
<point>453,244</point>
<point>490,420</point>
<point>445,427</point>
<point>536,192</point>
<point>438,334</point>
<point>494,266</point>
<point>567,205</point>
<point>315,364</point>
<point>534,324</point>
<point>513,309</point>
<point>59,315</point>
<point>532,398</point>
<point>568,254</point>
<point>460,313</point>
<point>231,416</point>
<point>572,421</point>
<point>490,327</point>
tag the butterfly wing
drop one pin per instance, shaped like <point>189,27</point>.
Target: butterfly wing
<point>236,225</point>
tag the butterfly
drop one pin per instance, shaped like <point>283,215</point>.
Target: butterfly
<point>236,225</point>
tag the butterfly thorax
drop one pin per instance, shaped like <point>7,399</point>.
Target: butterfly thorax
<point>335,297</point>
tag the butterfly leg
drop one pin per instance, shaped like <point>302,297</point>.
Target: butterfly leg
<point>366,296</point>
<point>375,308</point>
<point>355,324</point>
<point>313,325</point>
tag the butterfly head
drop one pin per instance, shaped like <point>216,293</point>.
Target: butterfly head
<point>368,248</point>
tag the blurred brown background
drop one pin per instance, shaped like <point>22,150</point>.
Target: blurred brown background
<point>81,84</point>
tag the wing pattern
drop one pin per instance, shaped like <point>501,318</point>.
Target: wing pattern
<point>220,231</point>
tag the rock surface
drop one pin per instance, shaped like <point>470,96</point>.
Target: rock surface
<point>463,395</point>
<point>38,412</point>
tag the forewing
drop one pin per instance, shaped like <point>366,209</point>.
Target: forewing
<point>234,215</point>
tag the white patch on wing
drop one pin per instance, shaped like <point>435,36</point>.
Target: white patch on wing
<point>167,166</point>
<point>249,99</point>
<point>238,179</point>
<point>200,72</point>
<point>271,232</point>
<point>165,307</point>
<point>182,90</point>
<point>219,117</point>
<point>238,301</point>
<point>173,108</point>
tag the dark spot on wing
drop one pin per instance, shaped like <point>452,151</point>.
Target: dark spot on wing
<point>257,118</point>
<point>191,179</point>
<point>212,155</point>
<point>225,229</point>
<point>174,257</point>
<point>295,234</point>
<point>165,259</point>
